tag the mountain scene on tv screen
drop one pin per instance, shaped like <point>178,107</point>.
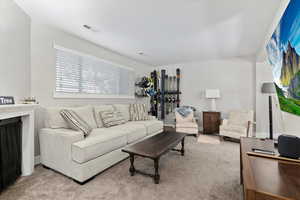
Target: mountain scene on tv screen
<point>284,56</point>
<point>289,92</point>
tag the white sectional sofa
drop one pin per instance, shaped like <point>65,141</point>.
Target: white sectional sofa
<point>81,158</point>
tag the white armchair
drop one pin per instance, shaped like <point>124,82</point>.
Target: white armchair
<point>239,124</point>
<point>186,124</point>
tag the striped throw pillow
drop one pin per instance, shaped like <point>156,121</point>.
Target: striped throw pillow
<point>76,122</point>
<point>111,118</point>
<point>138,112</point>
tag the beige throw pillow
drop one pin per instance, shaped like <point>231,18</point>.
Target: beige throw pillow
<point>124,109</point>
<point>101,108</point>
<point>112,118</point>
<point>138,112</point>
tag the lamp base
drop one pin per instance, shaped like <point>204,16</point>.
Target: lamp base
<point>213,105</point>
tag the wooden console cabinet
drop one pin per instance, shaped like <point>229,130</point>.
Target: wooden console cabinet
<point>266,178</point>
<point>211,122</point>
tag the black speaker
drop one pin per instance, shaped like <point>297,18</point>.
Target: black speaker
<point>289,146</point>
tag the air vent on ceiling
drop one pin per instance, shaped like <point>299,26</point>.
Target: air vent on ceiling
<point>87,26</point>
<point>90,28</point>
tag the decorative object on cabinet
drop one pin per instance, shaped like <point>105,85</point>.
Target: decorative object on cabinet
<point>30,100</point>
<point>6,100</point>
<point>212,94</point>
<point>289,146</point>
<point>211,122</point>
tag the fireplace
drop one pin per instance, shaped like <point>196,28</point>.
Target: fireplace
<point>26,113</point>
<point>10,151</point>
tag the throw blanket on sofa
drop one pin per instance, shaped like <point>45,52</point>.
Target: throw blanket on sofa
<point>184,111</point>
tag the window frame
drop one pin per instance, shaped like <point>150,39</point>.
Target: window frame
<point>66,95</point>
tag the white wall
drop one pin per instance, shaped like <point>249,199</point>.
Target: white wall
<point>14,51</point>
<point>43,62</point>
<point>283,122</point>
<point>234,77</point>
<point>43,67</point>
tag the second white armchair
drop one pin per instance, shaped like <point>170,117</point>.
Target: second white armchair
<point>239,124</point>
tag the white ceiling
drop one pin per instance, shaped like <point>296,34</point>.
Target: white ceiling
<point>166,31</point>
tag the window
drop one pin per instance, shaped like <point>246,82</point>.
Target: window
<point>80,75</point>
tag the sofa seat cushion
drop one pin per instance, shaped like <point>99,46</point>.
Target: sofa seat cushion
<point>99,142</point>
<point>134,132</point>
<point>152,126</point>
<point>187,130</point>
<point>187,125</point>
<point>233,128</point>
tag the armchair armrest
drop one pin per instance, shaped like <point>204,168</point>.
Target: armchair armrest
<point>224,122</point>
<point>250,125</point>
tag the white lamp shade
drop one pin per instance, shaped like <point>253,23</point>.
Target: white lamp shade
<point>212,93</point>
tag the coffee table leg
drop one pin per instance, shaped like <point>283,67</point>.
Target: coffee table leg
<point>132,169</point>
<point>182,147</point>
<point>156,175</point>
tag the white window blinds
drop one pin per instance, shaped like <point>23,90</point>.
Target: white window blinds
<point>78,73</point>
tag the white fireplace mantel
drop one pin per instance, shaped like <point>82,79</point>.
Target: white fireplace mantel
<point>26,112</point>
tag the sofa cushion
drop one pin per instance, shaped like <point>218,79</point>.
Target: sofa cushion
<point>124,109</point>
<point>133,131</point>
<point>98,109</point>
<point>111,118</point>
<point>87,114</point>
<point>152,126</point>
<point>187,130</point>
<point>54,118</point>
<point>76,122</point>
<point>187,125</point>
<point>233,128</point>
<point>99,142</point>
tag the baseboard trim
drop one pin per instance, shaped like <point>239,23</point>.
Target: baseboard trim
<point>37,160</point>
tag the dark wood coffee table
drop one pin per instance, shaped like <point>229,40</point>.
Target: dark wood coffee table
<point>153,148</point>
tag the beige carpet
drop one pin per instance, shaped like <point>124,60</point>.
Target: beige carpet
<point>208,139</point>
<point>207,172</point>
